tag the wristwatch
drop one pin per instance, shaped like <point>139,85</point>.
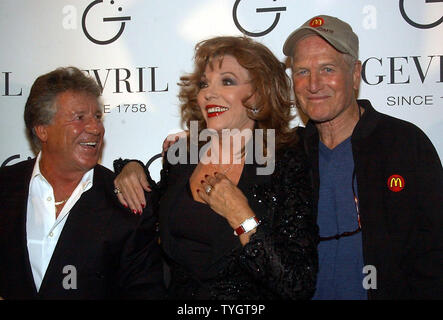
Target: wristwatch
<point>247,225</point>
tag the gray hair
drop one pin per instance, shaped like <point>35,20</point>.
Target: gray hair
<point>41,105</point>
<point>349,60</point>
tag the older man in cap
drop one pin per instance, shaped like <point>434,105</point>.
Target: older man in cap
<point>377,179</point>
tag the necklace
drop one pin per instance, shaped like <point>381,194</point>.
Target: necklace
<point>60,202</point>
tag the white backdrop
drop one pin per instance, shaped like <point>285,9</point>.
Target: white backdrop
<point>138,49</point>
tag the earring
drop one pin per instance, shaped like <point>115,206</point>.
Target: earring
<point>255,110</point>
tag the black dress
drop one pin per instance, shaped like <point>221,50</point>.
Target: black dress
<point>207,261</point>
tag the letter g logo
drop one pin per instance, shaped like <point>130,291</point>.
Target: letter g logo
<point>109,19</point>
<point>415,24</point>
<point>258,10</point>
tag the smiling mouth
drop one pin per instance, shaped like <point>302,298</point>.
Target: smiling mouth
<point>92,145</point>
<point>214,111</point>
<point>316,98</point>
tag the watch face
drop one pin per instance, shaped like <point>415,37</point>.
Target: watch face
<point>249,224</point>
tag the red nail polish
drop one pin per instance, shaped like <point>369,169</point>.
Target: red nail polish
<point>215,173</point>
<point>143,205</point>
<point>125,205</point>
<point>206,175</point>
<point>198,190</point>
<point>134,211</point>
<point>201,181</point>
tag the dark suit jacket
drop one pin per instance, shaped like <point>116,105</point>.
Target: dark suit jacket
<point>111,260</point>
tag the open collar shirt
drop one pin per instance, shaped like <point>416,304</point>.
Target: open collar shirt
<point>43,229</point>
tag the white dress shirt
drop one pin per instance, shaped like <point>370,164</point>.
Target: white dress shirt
<point>43,229</point>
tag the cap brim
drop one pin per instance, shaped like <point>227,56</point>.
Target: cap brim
<point>303,32</point>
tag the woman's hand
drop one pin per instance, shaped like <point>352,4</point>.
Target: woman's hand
<point>227,200</point>
<point>132,183</point>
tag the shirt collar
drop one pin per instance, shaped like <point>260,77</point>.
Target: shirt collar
<point>86,182</point>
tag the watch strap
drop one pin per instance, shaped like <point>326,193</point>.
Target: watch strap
<point>247,225</point>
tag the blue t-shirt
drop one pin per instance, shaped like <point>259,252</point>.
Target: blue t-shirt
<point>340,261</point>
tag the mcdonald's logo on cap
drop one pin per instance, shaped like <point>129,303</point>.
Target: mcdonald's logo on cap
<point>396,183</point>
<point>316,22</point>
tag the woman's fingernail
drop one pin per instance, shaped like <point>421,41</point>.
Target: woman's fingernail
<point>134,211</point>
<point>143,205</point>
<point>201,181</point>
<point>198,190</point>
<point>206,175</point>
<point>125,205</point>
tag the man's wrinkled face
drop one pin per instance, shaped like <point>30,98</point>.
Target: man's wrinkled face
<point>74,138</point>
<point>324,83</point>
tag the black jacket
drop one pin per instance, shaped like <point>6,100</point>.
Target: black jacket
<point>402,232</point>
<point>98,239</point>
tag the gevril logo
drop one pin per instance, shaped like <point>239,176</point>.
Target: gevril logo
<point>117,79</point>
<point>405,70</point>
<point>398,70</point>
<point>414,23</point>
<point>258,10</point>
<point>107,19</point>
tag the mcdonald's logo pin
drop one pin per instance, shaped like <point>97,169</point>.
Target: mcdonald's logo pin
<point>396,183</point>
<point>316,22</point>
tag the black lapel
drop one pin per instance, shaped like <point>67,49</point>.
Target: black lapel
<point>29,278</point>
<point>79,240</point>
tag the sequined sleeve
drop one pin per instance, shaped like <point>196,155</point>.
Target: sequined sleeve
<point>281,257</point>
